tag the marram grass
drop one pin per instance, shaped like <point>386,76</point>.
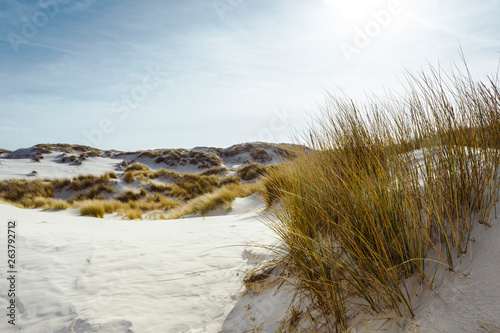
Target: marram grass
<point>382,186</point>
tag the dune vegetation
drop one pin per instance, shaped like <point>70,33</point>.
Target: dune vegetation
<point>251,171</point>
<point>384,186</point>
<point>149,194</point>
<point>223,197</point>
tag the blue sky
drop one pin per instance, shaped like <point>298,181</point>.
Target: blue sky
<point>154,74</point>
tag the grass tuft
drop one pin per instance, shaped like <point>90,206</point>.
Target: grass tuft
<point>92,208</point>
<point>382,186</point>
<point>222,197</point>
<point>251,171</point>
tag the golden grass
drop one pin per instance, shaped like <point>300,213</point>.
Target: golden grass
<point>137,167</point>
<point>132,213</point>
<point>164,202</point>
<point>129,177</point>
<point>260,155</point>
<point>156,215</point>
<point>359,213</point>
<point>67,148</point>
<point>55,204</point>
<point>111,206</point>
<point>24,192</point>
<point>129,196</point>
<point>83,182</point>
<point>183,186</point>
<point>251,171</point>
<point>93,208</point>
<point>112,175</point>
<point>217,170</point>
<point>222,197</point>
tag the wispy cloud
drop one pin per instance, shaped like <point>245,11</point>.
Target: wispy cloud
<point>226,76</point>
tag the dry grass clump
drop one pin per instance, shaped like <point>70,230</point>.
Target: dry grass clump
<point>131,205</point>
<point>196,185</point>
<point>59,183</point>
<point>132,213</point>
<point>217,170</point>
<point>152,153</point>
<point>24,191</point>
<point>222,197</point>
<point>183,157</point>
<point>83,182</point>
<point>161,188</point>
<point>129,196</point>
<point>251,171</point>
<point>137,166</point>
<point>67,148</point>
<point>49,203</point>
<point>129,177</point>
<point>164,202</point>
<point>260,155</point>
<point>288,152</point>
<point>184,186</point>
<point>111,206</point>
<point>95,192</point>
<point>156,215</point>
<point>93,208</point>
<point>56,204</point>
<point>259,151</point>
<point>131,209</point>
<point>112,175</point>
<point>362,210</point>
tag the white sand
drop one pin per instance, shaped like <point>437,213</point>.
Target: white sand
<point>99,275</point>
<point>50,167</point>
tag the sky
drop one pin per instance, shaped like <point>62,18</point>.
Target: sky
<point>130,75</point>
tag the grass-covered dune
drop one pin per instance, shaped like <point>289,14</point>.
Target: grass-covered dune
<point>138,192</point>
